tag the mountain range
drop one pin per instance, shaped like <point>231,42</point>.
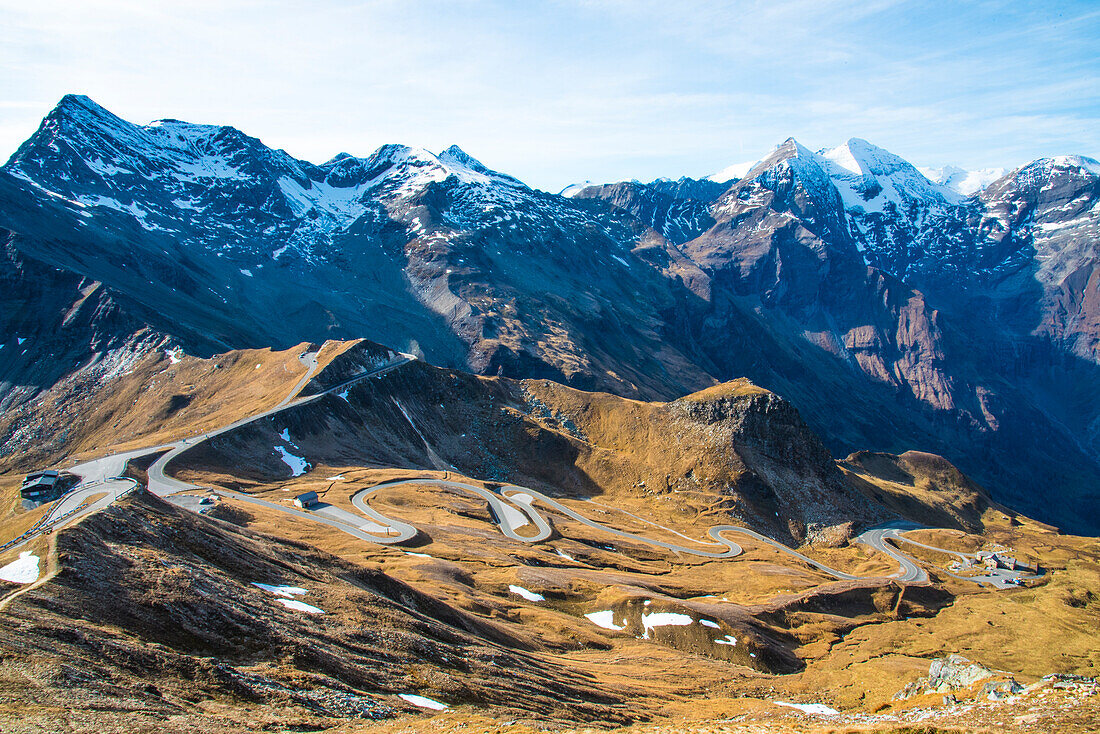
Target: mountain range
<point>896,309</point>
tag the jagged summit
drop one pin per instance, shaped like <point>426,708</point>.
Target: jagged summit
<point>458,157</point>
<point>76,105</point>
<point>88,136</point>
<point>869,178</point>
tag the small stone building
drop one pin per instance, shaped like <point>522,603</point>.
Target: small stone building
<point>306,500</point>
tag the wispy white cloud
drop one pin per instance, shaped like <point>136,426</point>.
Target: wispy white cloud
<point>570,89</point>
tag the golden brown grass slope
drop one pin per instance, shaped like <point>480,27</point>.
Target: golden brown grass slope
<point>153,622</point>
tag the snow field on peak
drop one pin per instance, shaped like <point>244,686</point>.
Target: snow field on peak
<point>1077,161</point>
<point>963,181</point>
<point>729,173</point>
<point>857,167</point>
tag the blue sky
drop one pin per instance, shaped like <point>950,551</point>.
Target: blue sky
<point>560,91</point>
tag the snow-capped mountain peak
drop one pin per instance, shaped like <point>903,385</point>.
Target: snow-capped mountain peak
<point>457,158</point>
<point>1084,163</point>
<point>733,172</point>
<point>160,174</point>
<point>869,177</point>
<point>963,181</point>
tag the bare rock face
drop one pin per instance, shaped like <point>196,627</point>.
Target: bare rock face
<point>679,210</point>
<point>785,462</point>
<point>763,422</point>
<point>955,673</point>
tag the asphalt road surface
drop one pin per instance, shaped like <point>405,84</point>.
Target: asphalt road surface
<point>163,485</point>
<point>876,537</point>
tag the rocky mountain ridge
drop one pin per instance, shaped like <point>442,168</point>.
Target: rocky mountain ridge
<point>893,311</point>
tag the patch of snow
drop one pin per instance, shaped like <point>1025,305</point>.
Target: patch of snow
<point>20,339</point>
<point>246,271</point>
<point>424,702</point>
<point>418,555</point>
<point>133,209</point>
<point>528,595</point>
<point>709,623</point>
<point>605,619</point>
<point>276,253</point>
<point>342,204</point>
<point>285,435</point>
<point>173,355</point>
<point>565,555</point>
<point>187,204</point>
<point>1055,226</point>
<point>300,606</point>
<point>344,395</point>
<point>728,640</point>
<point>336,478</point>
<point>287,591</point>
<point>107,169</point>
<point>664,619</point>
<point>809,708</point>
<point>208,167</point>
<point>23,570</point>
<point>298,465</point>
<point>624,262</point>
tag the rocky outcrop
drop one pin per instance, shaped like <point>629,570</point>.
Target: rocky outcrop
<point>787,471</point>
<point>955,674</point>
<point>679,210</point>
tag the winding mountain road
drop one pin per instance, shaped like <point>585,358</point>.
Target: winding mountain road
<point>524,497</point>
<point>104,475</point>
<point>512,507</point>
<point>163,485</point>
